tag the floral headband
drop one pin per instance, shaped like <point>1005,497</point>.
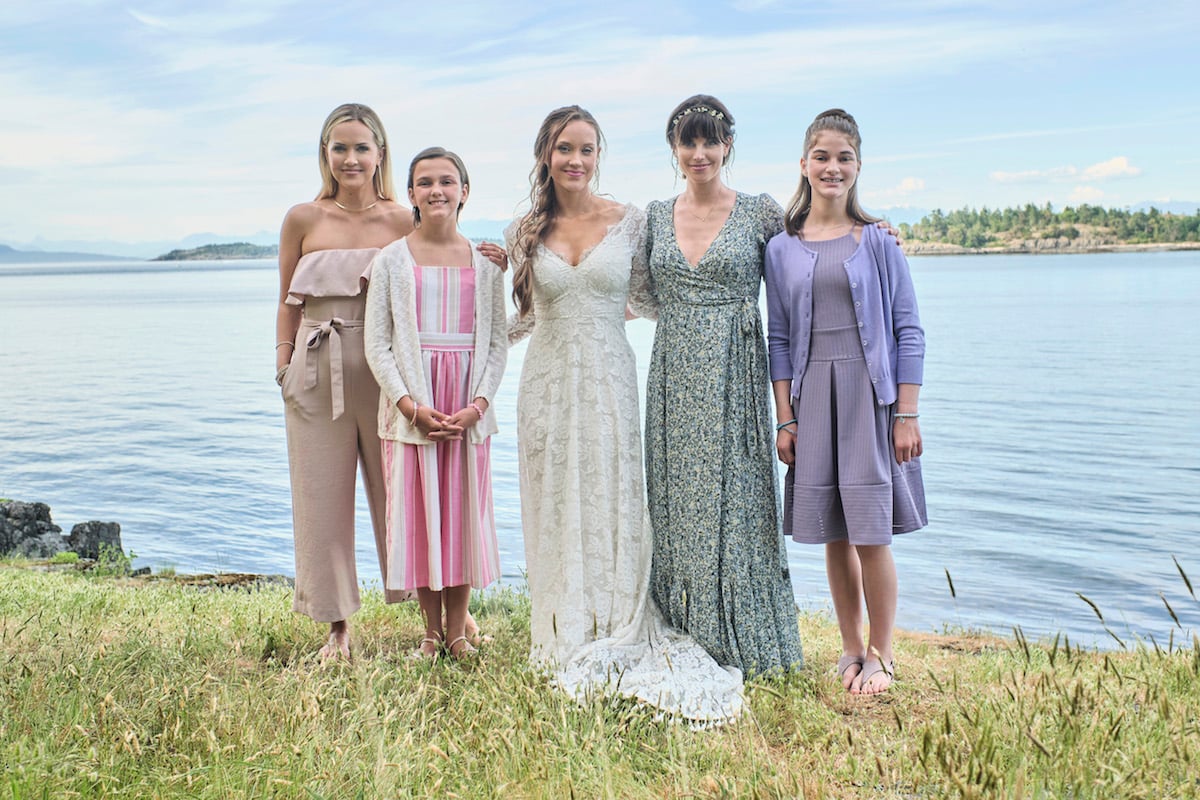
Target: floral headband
<point>712,112</point>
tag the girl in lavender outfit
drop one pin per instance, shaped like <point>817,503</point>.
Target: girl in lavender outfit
<point>846,356</point>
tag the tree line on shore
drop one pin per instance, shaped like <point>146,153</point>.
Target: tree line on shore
<point>968,227</point>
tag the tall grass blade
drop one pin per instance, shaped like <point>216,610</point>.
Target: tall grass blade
<point>1170,610</point>
<point>1095,607</point>
<point>1183,575</point>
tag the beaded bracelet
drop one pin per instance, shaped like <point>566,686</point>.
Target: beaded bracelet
<point>905,417</point>
<point>478,410</point>
<point>783,425</point>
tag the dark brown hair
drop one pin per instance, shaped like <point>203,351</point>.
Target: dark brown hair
<point>701,116</point>
<point>431,153</point>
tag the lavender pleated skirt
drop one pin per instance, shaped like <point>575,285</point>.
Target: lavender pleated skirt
<point>846,483</point>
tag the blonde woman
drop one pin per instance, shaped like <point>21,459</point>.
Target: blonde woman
<point>330,396</point>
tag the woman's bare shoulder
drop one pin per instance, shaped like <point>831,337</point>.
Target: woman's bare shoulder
<point>398,218</point>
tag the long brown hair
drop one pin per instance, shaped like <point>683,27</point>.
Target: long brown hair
<point>543,204</point>
<point>356,112</point>
<point>838,121</point>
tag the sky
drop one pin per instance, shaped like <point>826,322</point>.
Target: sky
<point>155,121</point>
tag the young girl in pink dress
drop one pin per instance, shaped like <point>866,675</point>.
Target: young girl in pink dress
<point>436,340</point>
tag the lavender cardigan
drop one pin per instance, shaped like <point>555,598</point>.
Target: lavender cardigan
<point>884,303</point>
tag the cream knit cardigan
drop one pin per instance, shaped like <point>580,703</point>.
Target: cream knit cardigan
<point>394,350</point>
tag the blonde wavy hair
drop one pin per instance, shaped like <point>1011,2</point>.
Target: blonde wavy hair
<point>356,112</point>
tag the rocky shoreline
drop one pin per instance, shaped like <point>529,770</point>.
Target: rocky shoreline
<point>1061,245</point>
<point>27,531</point>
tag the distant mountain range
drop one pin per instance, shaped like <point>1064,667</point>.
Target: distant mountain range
<point>10,256</point>
<point>41,249</point>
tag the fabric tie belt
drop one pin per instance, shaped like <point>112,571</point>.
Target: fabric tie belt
<point>331,330</point>
<point>744,338</point>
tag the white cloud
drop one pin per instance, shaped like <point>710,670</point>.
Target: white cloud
<point>898,194</point>
<point>1118,167</point>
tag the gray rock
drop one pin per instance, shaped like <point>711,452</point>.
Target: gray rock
<point>87,538</point>
<point>22,523</point>
<point>44,546</point>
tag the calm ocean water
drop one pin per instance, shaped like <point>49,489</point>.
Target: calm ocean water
<point>1060,415</point>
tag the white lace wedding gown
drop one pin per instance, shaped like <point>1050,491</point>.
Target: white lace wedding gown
<point>583,510</point>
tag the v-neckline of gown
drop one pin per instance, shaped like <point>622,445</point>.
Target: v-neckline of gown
<point>737,199</point>
<point>587,251</point>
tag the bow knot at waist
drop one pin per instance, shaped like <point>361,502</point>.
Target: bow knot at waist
<point>318,332</point>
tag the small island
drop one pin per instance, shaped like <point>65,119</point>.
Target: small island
<point>221,252</point>
<point>1041,229</point>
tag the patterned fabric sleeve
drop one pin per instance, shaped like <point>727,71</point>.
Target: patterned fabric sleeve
<point>770,216</point>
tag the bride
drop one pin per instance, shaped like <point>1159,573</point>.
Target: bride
<point>579,261</point>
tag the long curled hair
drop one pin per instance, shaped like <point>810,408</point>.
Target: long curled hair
<point>543,204</point>
<point>356,112</point>
<point>838,121</point>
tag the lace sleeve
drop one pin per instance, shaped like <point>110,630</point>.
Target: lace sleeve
<point>642,299</point>
<point>519,327</point>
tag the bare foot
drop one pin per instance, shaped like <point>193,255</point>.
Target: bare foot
<point>338,645</point>
<point>848,669</point>
<point>876,678</point>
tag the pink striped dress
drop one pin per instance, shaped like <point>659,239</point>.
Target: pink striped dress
<point>440,526</point>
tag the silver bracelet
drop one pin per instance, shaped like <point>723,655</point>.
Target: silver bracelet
<point>416,408</point>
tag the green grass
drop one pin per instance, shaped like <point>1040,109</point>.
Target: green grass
<point>121,688</point>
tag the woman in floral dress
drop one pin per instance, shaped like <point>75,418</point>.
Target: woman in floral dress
<point>720,566</point>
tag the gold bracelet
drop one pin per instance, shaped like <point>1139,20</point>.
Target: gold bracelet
<point>281,344</point>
